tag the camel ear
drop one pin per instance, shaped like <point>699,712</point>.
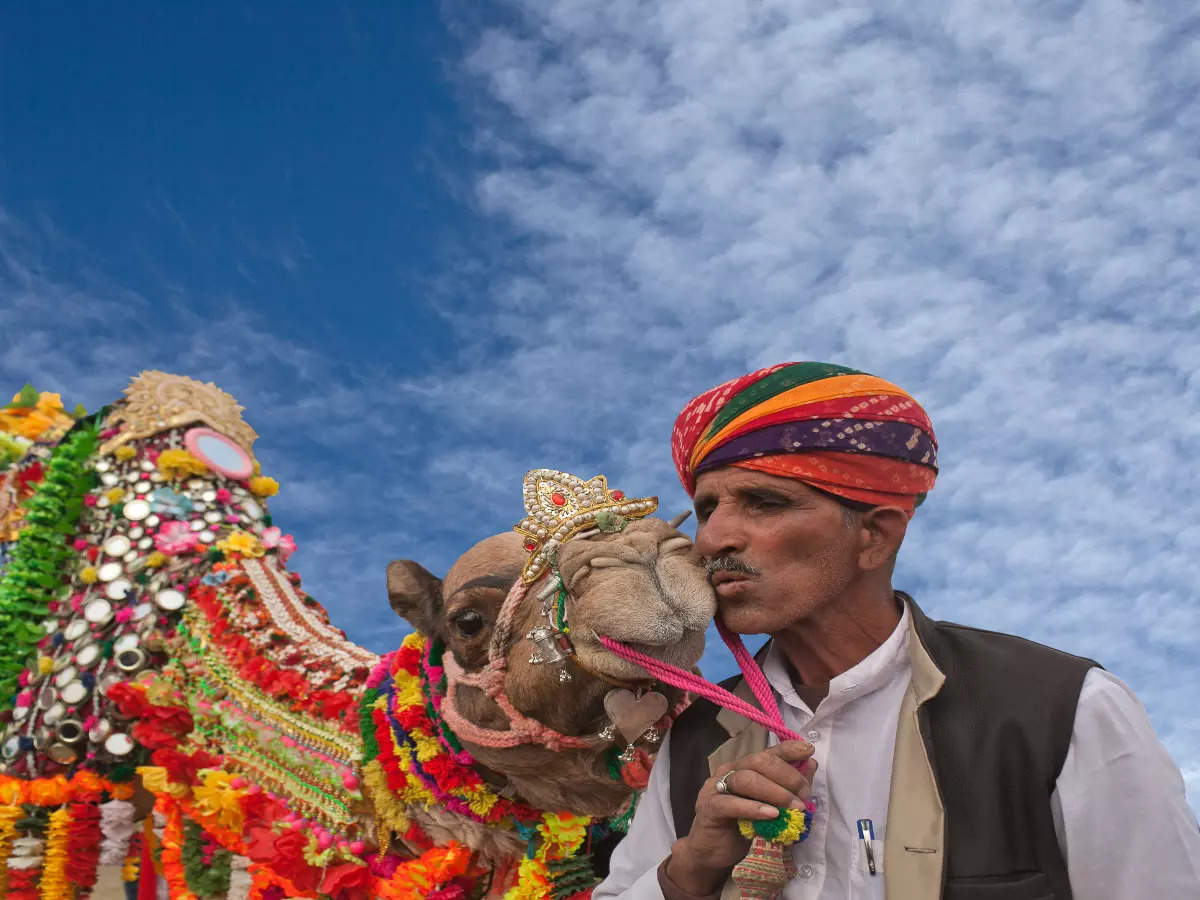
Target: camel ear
<point>415,594</point>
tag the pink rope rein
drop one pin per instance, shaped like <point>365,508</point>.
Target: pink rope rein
<point>769,717</point>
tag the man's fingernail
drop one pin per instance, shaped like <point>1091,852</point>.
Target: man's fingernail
<point>768,810</point>
<point>795,804</point>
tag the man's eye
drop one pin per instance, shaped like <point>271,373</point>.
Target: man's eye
<point>468,623</point>
<point>761,502</point>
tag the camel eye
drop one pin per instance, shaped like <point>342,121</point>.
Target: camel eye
<point>468,623</point>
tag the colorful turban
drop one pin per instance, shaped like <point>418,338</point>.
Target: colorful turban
<point>841,431</point>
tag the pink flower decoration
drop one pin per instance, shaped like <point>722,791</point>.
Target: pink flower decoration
<point>89,499</point>
<point>287,546</point>
<point>80,544</point>
<point>270,537</point>
<point>223,496</point>
<point>175,537</point>
<point>124,615</point>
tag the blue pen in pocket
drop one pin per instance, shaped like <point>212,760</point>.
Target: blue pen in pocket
<point>866,834</point>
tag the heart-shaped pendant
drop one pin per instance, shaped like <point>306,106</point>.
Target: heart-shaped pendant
<point>633,715</point>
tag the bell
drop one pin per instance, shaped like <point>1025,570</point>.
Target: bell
<point>550,645</point>
<point>69,731</point>
<point>131,660</point>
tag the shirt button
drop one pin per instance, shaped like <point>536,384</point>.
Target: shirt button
<point>813,735</point>
<point>806,871</point>
<point>815,801</point>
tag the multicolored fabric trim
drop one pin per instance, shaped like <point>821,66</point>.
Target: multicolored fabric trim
<point>771,418</point>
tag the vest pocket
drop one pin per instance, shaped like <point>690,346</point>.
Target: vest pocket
<point>1015,886</point>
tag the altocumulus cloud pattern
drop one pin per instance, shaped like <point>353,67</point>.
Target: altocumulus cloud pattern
<point>992,205</point>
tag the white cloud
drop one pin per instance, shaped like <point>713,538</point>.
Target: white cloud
<point>991,205</point>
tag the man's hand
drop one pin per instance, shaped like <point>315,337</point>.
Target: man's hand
<point>757,786</point>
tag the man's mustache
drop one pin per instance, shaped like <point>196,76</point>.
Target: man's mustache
<point>728,564</point>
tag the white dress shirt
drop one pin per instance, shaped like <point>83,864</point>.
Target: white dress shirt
<point>1119,808</point>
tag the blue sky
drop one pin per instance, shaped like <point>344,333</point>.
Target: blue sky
<point>430,247</point>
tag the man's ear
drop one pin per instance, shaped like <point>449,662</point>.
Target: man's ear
<point>884,528</point>
<point>415,594</point>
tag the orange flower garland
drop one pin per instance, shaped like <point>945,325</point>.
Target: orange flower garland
<point>172,851</point>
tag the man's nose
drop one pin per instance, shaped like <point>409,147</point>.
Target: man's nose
<point>719,535</point>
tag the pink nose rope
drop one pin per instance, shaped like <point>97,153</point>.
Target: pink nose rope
<point>768,716</point>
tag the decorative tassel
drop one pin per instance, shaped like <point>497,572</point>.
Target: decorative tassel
<point>764,871</point>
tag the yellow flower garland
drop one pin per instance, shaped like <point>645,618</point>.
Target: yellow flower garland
<point>8,831</point>
<point>54,885</point>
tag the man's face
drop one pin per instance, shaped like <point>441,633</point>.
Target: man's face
<point>795,542</point>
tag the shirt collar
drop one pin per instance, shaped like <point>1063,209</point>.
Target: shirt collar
<point>887,661</point>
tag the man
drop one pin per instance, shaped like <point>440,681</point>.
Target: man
<point>950,762</point>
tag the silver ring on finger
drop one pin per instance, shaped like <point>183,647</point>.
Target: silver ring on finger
<point>722,785</point>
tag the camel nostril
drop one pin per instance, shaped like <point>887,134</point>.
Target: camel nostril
<point>606,562</point>
<point>672,544</point>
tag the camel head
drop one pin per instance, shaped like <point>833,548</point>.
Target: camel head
<point>638,581</point>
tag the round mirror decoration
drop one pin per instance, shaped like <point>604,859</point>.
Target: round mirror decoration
<point>252,509</point>
<point>63,754</point>
<point>119,744</point>
<point>75,693</point>
<point>147,466</point>
<point>219,453</point>
<point>141,611</point>
<point>117,545</point>
<point>110,571</point>
<point>118,590</point>
<point>103,465</point>
<point>88,655</point>
<point>108,679</point>
<point>170,599</point>
<point>212,517</point>
<point>99,611</point>
<point>108,479</point>
<point>12,747</point>
<point>75,629</point>
<point>135,532</point>
<point>20,713</point>
<point>153,521</point>
<point>142,487</point>
<point>66,676</point>
<point>54,713</point>
<point>100,731</point>
<point>209,496</point>
<point>136,510</point>
<point>126,642</point>
<point>130,556</point>
<point>41,737</point>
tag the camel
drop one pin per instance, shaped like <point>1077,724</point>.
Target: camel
<point>175,662</point>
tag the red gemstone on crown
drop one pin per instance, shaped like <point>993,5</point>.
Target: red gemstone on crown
<point>531,546</point>
<point>617,495</point>
<point>558,499</point>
